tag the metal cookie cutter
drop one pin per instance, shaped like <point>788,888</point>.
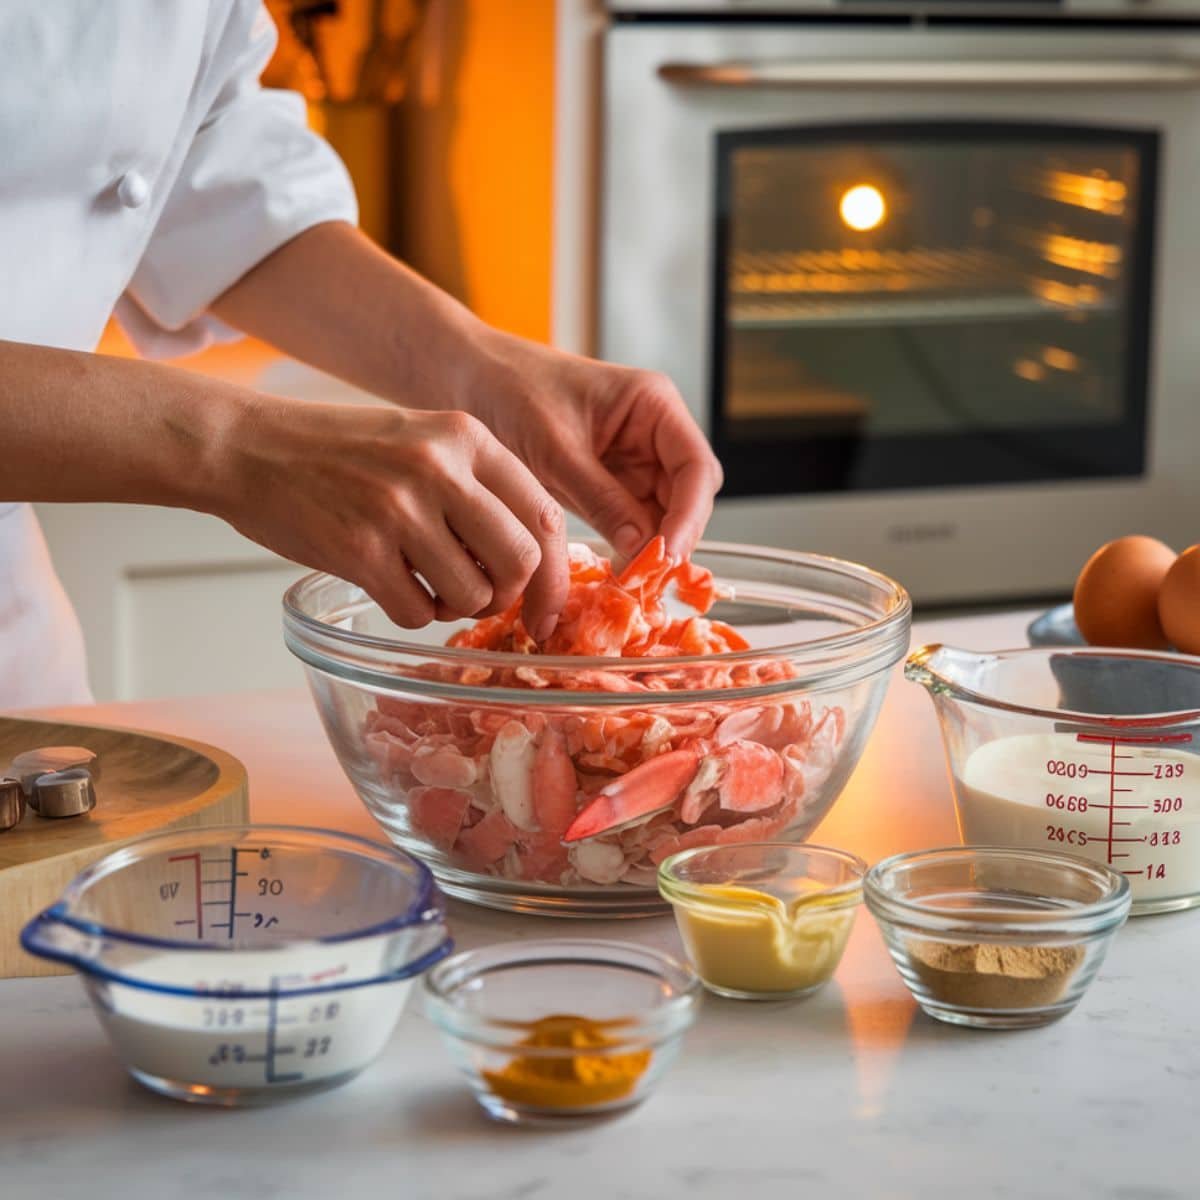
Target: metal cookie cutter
<point>32,764</point>
<point>64,793</point>
<point>12,804</point>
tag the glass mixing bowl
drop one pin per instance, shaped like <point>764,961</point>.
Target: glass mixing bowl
<point>558,784</point>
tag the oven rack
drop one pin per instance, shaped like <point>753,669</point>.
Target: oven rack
<point>777,289</point>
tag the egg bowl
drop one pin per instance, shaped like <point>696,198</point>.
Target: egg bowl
<point>765,920</point>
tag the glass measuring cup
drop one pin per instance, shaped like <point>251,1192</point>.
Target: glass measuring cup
<point>241,964</point>
<point>1079,750</point>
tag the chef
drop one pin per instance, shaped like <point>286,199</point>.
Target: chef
<point>144,171</point>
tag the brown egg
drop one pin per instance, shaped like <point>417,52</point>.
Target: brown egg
<point>1179,602</point>
<point>1116,594</point>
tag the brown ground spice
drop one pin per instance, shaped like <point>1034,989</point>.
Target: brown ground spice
<point>991,975</point>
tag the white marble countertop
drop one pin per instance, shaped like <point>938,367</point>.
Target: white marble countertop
<point>852,1093</point>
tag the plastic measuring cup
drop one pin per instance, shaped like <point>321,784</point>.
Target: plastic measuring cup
<point>242,964</point>
<point>1079,750</point>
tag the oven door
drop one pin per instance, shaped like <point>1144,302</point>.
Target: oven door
<point>927,291</point>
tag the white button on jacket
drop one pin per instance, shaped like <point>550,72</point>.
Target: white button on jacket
<point>133,191</point>
<point>143,170</point>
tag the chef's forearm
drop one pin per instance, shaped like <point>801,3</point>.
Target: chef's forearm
<point>89,427</point>
<point>333,299</point>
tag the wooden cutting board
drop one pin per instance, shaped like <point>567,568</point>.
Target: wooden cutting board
<point>149,783</point>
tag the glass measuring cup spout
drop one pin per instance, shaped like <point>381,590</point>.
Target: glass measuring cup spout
<point>945,670</point>
<point>1085,750</point>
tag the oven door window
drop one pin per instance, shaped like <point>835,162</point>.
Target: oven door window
<point>907,306</point>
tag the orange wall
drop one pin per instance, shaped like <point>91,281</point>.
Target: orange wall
<point>473,158</point>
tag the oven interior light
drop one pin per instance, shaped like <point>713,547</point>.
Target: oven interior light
<point>863,207</point>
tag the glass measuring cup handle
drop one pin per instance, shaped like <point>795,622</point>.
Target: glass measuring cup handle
<point>49,935</point>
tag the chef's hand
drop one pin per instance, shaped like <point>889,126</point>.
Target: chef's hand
<point>375,494</point>
<point>617,446</point>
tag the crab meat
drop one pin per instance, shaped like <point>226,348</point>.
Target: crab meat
<point>651,787</point>
<point>598,862</point>
<point>554,786</point>
<point>442,766</point>
<point>512,774</point>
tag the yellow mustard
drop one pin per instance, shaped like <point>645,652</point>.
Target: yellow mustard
<point>742,940</point>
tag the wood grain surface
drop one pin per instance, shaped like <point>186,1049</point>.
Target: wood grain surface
<point>149,783</point>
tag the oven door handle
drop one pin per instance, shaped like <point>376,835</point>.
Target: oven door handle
<point>935,73</point>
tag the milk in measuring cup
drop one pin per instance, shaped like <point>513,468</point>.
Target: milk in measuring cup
<point>1133,807</point>
<point>255,1043</point>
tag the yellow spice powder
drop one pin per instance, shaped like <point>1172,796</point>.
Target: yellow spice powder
<point>568,1080</point>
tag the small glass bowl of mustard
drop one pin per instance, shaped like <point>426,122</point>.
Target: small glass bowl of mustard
<point>763,920</point>
<point>556,1031</point>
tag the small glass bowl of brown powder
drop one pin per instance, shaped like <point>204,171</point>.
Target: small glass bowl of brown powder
<point>993,937</point>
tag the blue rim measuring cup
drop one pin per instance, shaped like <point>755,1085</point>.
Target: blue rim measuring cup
<point>241,964</point>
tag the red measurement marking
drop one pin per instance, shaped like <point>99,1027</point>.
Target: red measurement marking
<point>331,973</point>
<point>195,858</point>
<point>1157,739</point>
<point>1112,795</point>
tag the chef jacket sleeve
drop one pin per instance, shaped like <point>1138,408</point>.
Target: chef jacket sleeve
<point>253,177</point>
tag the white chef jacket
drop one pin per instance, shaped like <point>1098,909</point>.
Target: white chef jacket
<point>143,170</point>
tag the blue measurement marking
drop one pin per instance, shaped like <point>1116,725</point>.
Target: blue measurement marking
<point>234,872</point>
<point>274,1050</point>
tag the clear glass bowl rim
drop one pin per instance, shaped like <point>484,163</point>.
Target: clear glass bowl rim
<point>849,894</point>
<point>661,1023</point>
<point>1102,915</point>
<point>844,649</point>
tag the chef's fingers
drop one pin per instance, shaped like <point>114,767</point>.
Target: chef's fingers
<point>694,478</point>
<point>398,592</point>
<point>508,553</point>
<point>607,505</point>
<point>510,481</point>
<point>455,578</point>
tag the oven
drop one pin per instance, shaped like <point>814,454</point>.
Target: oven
<point>927,279</point>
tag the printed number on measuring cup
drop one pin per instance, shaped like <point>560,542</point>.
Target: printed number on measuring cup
<point>1168,770</point>
<point>315,1047</point>
<point>227,1052</point>
<point>1071,770</point>
<point>1166,837</point>
<point>1067,803</point>
<point>1168,804</point>
<point>1070,837</point>
<point>220,1017</point>
<point>270,887</point>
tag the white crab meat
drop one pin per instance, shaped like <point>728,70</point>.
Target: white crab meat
<point>511,764</point>
<point>598,862</point>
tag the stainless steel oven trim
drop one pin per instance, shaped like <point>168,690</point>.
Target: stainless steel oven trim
<point>940,73</point>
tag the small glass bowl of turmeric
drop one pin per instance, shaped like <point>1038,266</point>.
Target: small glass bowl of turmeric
<point>560,1030</point>
<point>996,937</point>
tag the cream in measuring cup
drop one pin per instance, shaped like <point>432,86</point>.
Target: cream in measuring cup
<point>1080,750</point>
<point>1131,804</point>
